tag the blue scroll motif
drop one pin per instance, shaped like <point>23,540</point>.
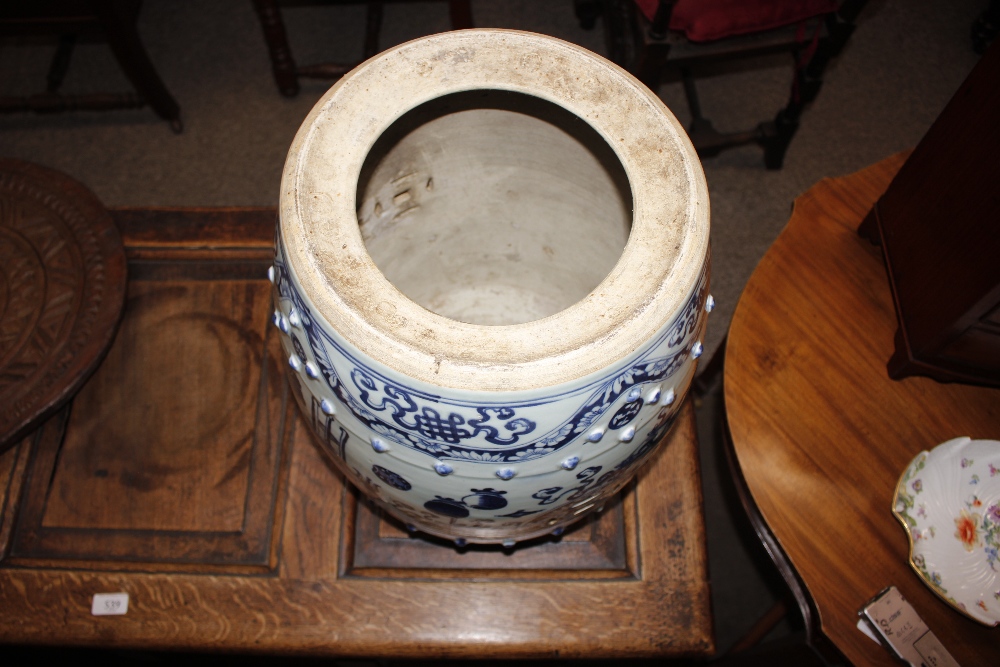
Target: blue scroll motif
<point>405,412</point>
<point>436,426</point>
<point>590,481</point>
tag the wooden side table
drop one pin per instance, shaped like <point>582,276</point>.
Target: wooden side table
<point>821,435</point>
<point>183,475</point>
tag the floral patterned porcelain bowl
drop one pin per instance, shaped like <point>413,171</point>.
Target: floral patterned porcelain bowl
<point>948,500</point>
<point>491,280</point>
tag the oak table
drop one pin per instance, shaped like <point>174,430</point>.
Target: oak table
<point>183,475</point>
<point>821,435</point>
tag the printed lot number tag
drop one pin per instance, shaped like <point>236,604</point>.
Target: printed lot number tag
<point>109,604</point>
<point>900,626</point>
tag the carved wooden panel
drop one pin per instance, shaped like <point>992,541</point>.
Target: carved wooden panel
<point>170,454</point>
<point>380,546</point>
<point>376,545</point>
<point>62,284</point>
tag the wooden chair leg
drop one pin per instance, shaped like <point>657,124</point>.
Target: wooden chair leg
<point>461,14</point>
<point>60,62</point>
<point>282,63</point>
<point>776,136</point>
<point>650,65</point>
<point>986,27</point>
<point>762,627</point>
<point>791,650</point>
<point>124,41</point>
<point>373,25</point>
<point>587,12</point>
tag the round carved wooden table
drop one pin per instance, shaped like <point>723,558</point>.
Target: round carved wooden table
<point>62,288</point>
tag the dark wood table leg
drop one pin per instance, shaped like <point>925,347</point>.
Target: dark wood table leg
<point>282,63</point>
<point>814,637</point>
<point>461,14</point>
<point>124,41</point>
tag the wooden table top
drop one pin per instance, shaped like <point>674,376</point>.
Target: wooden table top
<point>183,475</point>
<point>820,433</point>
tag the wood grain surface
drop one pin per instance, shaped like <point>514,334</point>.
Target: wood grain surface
<point>820,432</point>
<point>184,477</point>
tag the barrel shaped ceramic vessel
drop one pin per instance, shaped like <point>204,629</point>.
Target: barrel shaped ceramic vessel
<point>491,280</point>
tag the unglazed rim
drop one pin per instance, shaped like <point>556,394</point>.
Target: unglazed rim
<point>656,272</point>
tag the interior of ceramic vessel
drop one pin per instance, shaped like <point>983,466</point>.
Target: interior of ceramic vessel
<point>493,208</point>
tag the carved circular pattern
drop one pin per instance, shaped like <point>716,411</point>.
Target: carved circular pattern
<point>22,285</point>
<point>62,288</point>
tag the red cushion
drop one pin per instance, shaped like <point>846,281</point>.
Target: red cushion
<point>706,20</point>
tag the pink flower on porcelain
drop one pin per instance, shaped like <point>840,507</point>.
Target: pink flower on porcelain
<point>967,462</point>
<point>917,486</point>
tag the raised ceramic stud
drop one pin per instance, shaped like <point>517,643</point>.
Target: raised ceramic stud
<point>627,434</point>
<point>283,324</point>
<point>461,542</point>
<point>294,319</point>
<point>295,362</point>
<point>270,274</point>
<point>654,396</point>
<point>669,398</point>
<point>509,544</point>
<point>379,446</point>
<point>276,319</point>
<point>410,528</point>
<point>696,350</point>
<point>312,370</point>
<point>571,462</point>
<point>443,469</point>
<point>558,531</point>
<point>327,407</point>
<point>709,304</point>
<point>595,435</point>
<point>506,473</point>
<point>634,395</point>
